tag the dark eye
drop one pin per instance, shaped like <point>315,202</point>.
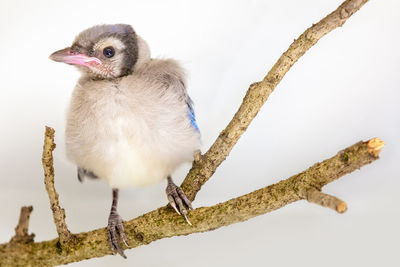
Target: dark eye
<point>109,51</point>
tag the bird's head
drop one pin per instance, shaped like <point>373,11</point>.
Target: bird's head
<point>105,51</point>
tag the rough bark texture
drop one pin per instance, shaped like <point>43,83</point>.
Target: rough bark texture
<point>325,200</point>
<point>163,222</point>
<point>21,230</point>
<point>58,212</point>
<point>258,93</point>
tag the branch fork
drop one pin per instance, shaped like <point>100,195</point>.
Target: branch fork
<point>163,222</point>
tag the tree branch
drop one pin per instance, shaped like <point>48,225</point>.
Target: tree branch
<point>21,230</point>
<point>163,222</point>
<point>315,196</point>
<point>58,212</point>
<point>258,93</point>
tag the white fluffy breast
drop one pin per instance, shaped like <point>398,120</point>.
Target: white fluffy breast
<point>129,133</point>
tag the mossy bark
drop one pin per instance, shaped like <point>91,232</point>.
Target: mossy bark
<point>257,95</point>
<point>164,222</point>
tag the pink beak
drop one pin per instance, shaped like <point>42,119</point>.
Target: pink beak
<point>67,56</point>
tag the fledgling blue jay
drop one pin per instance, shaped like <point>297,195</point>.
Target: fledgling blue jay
<point>130,119</point>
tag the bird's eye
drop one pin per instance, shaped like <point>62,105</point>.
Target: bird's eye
<point>109,51</point>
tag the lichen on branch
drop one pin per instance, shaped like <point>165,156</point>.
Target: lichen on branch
<point>257,95</point>
<point>163,222</point>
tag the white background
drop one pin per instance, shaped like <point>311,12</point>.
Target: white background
<point>345,89</point>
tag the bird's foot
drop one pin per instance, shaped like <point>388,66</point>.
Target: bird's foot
<point>177,199</point>
<point>115,226</point>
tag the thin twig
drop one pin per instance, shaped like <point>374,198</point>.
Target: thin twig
<point>58,212</point>
<point>21,230</point>
<point>258,93</point>
<point>317,197</point>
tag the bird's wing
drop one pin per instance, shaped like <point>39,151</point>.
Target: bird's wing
<point>172,76</point>
<point>190,105</point>
<point>191,115</point>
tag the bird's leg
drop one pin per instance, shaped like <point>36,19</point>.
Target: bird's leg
<point>116,226</point>
<point>82,173</point>
<point>176,198</point>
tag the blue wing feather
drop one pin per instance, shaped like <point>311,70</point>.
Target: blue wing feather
<point>191,115</point>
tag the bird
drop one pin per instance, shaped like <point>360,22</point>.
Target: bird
<point>130,119</point>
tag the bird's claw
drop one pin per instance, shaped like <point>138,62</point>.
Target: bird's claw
<point>177,199</point>
<point>82,173</point>
<point>115,226</point>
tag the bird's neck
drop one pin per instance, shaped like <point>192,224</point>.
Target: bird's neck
<point>143,53</point>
